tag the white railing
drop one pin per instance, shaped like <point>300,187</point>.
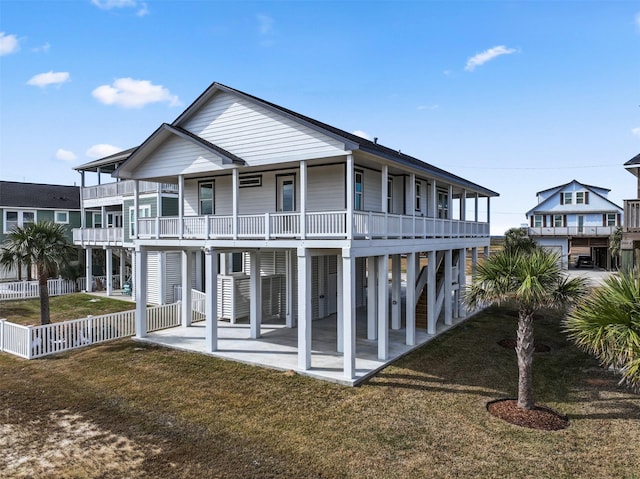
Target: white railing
<point>37,341</point>
<point>31,289</point>
<point>101,236</point>
<point>632,216</point>
<point>320,224</point>
<point>125,188</point>
<point>81,282</point>
<point>572,231</point>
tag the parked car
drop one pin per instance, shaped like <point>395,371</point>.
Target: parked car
<point>584,262</point>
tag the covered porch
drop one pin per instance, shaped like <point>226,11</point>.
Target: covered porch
<point>277,346</point>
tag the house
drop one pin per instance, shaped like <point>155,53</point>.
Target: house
<point>630,246</point>
<point>24,203</point>
<point>284,218</point>
<point>575,219</point>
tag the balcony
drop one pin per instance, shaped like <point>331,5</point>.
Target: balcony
<point>632,216</point>
<point>98,236</point>
<point>572,231</point>
<point>317,225</point>
<point>95,195</point>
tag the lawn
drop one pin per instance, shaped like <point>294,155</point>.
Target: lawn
<point>62,308</point>
<point>128,409</point>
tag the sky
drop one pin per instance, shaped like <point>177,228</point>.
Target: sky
<point>515,96</point>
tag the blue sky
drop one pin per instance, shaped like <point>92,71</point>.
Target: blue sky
<point>515,96</point>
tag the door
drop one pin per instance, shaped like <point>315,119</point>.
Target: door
<point>285,201</point>
<point>580,223</point>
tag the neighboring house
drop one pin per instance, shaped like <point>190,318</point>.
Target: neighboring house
<point>575,219</point>
<point>630,247</point>
<point>285,218</point>
<point>24,203</point>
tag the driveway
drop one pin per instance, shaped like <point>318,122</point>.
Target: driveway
<point>596,276</point>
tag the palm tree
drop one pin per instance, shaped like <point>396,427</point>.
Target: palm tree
<point>532,280</point>
<point>615,245</point>
<point>607,324</point>
<point>518,239</point>
<point>43,244</point>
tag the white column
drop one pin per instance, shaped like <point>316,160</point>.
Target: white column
<point>109,273</point>
<point>198,266</point>
<point>385,188</point>
<point>396,305</point>
<point>134,272</point>
<point>141,292</point>
<point>289,289</point>
<point>303,199</point>
<point>181,207</point>
<point>340,314</point>
<point>234,203</point>
<point>462,280</point>
<point>486,253</point>
<point>122,268</point>
<point>186,288</point>
<point>136,208</point>
<point>372,297</point>
<point>88,268</point>
<point>474,261</point>
<point>211,300</point>
<point>463,205</point>
<point>304,309</point>
<point>448,279</point>
<point>350,196</point>
<point>383,307</point>
<point>410,300</point>
<point>255,302</point>
<point>475,209</point>
<point>348,307</point>
<point>433,201</point>
<point>431,293</point>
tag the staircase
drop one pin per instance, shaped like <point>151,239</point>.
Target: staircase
<point>421,303</point>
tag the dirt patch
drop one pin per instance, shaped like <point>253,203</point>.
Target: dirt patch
<point>509,343</point>
<point>537,418</point>
<point>62,444</point>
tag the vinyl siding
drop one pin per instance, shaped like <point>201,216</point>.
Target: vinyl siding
<point>325,188</point>
<point>256,134</point>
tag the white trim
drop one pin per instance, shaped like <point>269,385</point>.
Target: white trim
<point>55,217</point>
<point>20,218</point>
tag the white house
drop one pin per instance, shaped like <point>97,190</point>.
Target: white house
<point>281,216</point>
<point>575,219</point>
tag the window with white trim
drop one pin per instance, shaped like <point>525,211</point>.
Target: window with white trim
<point>582,197</point>
<point>418,196</point>
<point>61,217</point>
<point>443,205</point>
<point>97,220</point>
<point>206,198</point>
<point>144,211</point>
<point>612,219</point>
<point>567,197</point>
<point>358,190</point>
<point>537,221</point>
<point>389,195</point>
<point>558,221</point>
<point>21,218</point>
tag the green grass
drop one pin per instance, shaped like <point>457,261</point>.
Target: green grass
<point>185,415</point>
<point>62,308</point>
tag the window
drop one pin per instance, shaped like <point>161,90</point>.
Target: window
<point>443,205</point>
<point>359,199</point>
<point>611,219</point>
<point>61,217</point>
<point>18,218</point>
<point>558,221</point>
<point>580,224</point>
<point>418,196</point>
<point>537,221</point>
<point>97,220</point>
<point>236,262</point>
<point>389,195</point>
<point>206,198</point>
<point>579,197</point>
<point>114,220</point>
<point>250,181</point>
<point>144,211</point>
<point>567,198</point>
<point>286,193</point>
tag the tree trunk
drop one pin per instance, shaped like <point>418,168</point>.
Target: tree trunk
<point>524,350</point>
<point>44,296</point>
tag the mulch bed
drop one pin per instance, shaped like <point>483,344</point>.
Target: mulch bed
<point>539,417</point>
<point>509,343</point>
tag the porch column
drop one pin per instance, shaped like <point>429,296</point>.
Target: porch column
<point>88,269</point>
<point>431,293</point>
<point>432,205</point>
<point>348,307</point>
<point>289,322</point>
<point>383,307</point>
<point>136,208</point>
<point>385,189</point>
<point>462,280</point>
<point>475,209</point>
<point>134,273</point>
<point>372,297</point>
<point>340,313</point>
<point>255,302</point>
<point>109,272</point>
<point>463,205</point>
<point>410,300</point>
<point>122,268</point>
<point>187,271</point>
<point>485,253</point>
<point>304,309</point>
<point>198,267</point>
<point>141,292</point>
<point>474,261</point>
<point>448,279</point>
<point>350,196</point>
<point>234,202</point>
<point>303,199</point>
<point>181,207</point>
<point>211,300</point>
<point>396,279</point>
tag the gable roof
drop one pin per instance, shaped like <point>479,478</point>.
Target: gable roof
<point>633,161</point>
<point>559,187</point>
<point>107,164</point>
<point>351,141</point>
<point>591,189</point>
<point>37,195</point>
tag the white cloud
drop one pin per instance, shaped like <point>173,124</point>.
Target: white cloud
<point>142,7</point>
<point>144,10</point>
<point>265,29</point>
<point>44,48</point>
<point>130,93</point>
<point>428,107</point>
<point>101,150</point>
<point>487,55</point>
<point>636,131</point>
<point>8,44</point>
<point>363,134</point>
<point>65,155</point>
<point>50,78</point>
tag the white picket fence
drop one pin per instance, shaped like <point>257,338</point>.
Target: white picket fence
<point>31,289</point>
<point>37,341</point>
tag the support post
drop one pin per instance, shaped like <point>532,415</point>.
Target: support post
<point>211,300</point>
<point>383,307</point>
<point>234,203</point>
<point>88,271</point>
<point>141,292</point>
<point>109,273</point>
<point>303,199</point>
<point>289,322</point>
<point>304,309</point>
<point>187,271</point>
<point>462,280</point>
<point>410,300</point>
<point>350,196</point>
<point>372,298</point>
<point>341,313</point>
<point>348,307</point>
<point>448,280</point>
<point>255,303</point>
<point>395,291</point>
<point>431,293</point>
<point>181,207</point>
